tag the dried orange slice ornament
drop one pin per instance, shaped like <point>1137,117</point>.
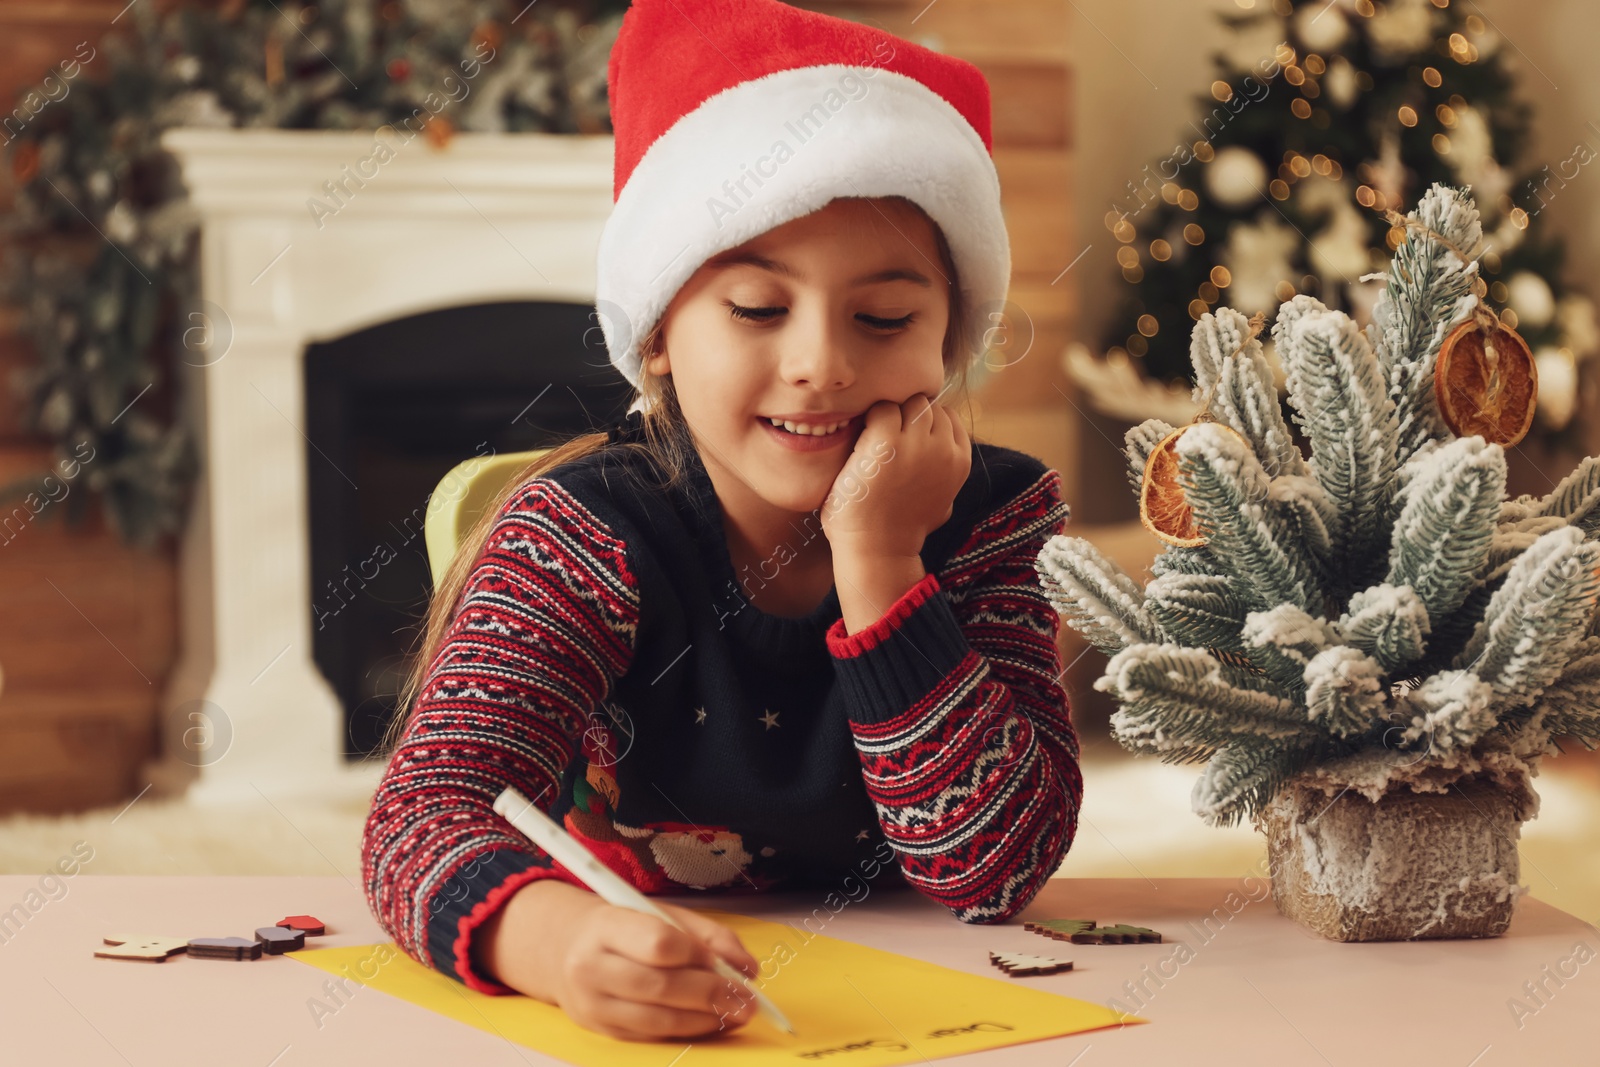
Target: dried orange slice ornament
<point>1162,506</point>
<point>1486,381</point>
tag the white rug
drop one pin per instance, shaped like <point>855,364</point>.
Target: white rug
<point>1136,823</point>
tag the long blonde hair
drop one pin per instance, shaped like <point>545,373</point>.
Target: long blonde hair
<point>666,442</point>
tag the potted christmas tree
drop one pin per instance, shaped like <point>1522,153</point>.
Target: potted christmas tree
<point>1369,648</point>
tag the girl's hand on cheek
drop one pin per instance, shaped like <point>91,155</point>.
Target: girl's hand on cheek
<point>899,483</point>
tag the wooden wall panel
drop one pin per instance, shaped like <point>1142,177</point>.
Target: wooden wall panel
<point>88,626</point>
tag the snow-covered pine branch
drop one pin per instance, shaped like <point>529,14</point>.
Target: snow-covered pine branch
<point>1576,500</point>
<point>1173,695</point>
<point>1301,502</point>
<point>1341,402</point>
<point>1094,596</point>
<point>1201,610</point>
<point>1284,640</point>
<point>1447,523</point>
<point>1389,623</point>
<point>1427,294</point>
<point>1242,777</point>
<point>1448,711</point>
<point>1344,691</point>
<point>1231,496</point>
<point>1138,443</point>
<point>1571,704</point>
<point>1535,620</point>
<point>1230,365</point>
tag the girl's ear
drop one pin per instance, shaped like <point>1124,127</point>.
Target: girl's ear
<point>658,364</point>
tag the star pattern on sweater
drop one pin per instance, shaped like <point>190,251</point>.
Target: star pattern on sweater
<point>770,718</point>
<point>699,715</point>
<point>862,836</point>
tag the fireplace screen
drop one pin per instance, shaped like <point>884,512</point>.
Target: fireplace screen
<point>389,410</point>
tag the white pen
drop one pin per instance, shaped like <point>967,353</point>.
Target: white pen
<point>554,839</point>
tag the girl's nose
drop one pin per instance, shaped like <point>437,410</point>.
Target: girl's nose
<point>816,352</point>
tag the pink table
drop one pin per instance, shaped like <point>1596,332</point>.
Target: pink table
<point>1234,983</point>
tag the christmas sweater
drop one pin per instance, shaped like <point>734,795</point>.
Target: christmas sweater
<point>604,660</point>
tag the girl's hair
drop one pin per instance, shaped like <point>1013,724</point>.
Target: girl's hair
<point>667,442</point>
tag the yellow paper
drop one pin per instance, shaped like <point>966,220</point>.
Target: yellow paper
<point>847,1003</point>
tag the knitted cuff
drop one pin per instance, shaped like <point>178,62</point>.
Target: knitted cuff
<point>467,900</point>
<point>890,667</point>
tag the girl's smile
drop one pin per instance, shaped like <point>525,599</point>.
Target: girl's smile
<point>813,433</point>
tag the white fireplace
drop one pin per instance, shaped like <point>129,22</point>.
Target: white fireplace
<point>307,236</point>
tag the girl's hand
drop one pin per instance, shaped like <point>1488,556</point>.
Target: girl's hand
<point>900,482</point>
<point>631,976</point>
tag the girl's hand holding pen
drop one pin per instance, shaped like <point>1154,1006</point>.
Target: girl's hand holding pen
<point>617,971</point>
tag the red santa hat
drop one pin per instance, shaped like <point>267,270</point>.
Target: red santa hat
<point>733,117</point>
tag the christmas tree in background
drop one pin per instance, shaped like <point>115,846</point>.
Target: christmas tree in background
<point>1379,606</point>
<point>1324,116</point>
<point>102,237</point>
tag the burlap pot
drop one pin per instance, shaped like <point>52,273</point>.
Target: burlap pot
<point>1404,866</point>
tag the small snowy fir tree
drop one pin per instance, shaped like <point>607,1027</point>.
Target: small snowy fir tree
<point>1380,607</point>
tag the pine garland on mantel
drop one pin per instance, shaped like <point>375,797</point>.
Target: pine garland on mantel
<point>101,247</point>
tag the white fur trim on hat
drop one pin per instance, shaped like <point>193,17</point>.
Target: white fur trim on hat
<point>777,148</point>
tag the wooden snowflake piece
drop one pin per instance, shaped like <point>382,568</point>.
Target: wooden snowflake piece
<point>1020,964</point>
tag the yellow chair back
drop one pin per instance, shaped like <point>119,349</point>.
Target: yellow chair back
<point>461,497</point>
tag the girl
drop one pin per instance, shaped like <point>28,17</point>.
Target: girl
<point>781,626</point>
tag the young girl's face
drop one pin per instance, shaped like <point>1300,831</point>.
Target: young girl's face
<point>813,321</point>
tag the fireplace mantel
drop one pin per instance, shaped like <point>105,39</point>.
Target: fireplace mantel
<point>307,236</point>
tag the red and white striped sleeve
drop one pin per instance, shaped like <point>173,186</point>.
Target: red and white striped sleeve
<point>545,624</point>
<point>960,720</point>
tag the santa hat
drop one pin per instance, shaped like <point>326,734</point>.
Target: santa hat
<point>735,116</point>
